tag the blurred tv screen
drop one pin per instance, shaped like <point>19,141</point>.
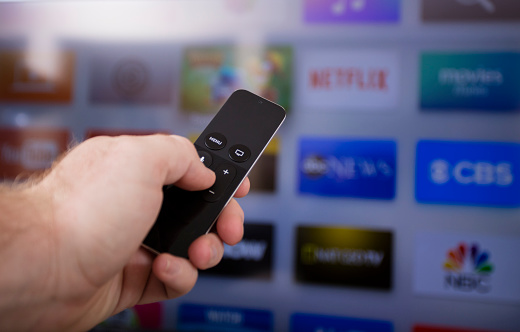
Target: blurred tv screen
<point>388,201</point>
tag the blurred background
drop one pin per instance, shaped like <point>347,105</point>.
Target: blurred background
<point>388,201</point>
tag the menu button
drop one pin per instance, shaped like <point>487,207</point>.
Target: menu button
<point>215,141</point>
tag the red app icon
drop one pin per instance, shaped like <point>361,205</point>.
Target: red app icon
<point>24,151</point>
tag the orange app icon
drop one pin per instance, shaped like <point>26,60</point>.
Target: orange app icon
<point>36,77</point>
<point>25,151</point>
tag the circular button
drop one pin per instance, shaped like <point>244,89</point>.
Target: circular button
<point>215,141</point>
<point>205,158</point>
<point>239,153</point>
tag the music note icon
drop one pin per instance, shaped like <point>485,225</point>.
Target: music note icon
<point>339,7</point>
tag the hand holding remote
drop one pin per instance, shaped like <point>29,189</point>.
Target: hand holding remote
<point>71,240</point>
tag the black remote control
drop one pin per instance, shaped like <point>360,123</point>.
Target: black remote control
<point>230,146</point>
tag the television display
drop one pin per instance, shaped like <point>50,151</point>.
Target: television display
<point>388,201</point>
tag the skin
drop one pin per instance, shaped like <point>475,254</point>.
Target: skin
<point>70,242</point>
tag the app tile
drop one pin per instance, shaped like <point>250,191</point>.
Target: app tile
<point>350,80</point>
<point>36,77</point>
<point>24,151</point>
<point>195,317</point>
<point>347,168</point>
<point>344,256</point>
<point>351,11</point>
<point>210,74</point>
<point>470,173</point>
<point>250,258</point>
<point>467,266</point>
<point>470,10</point>
<point>470,81</point>
<point>301,322</point>
<point>130,77</point>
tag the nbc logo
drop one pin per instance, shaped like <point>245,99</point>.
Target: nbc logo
<point>467,266</point>
<point>468,269</point>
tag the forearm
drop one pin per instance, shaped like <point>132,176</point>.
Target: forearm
<point>25,248</point>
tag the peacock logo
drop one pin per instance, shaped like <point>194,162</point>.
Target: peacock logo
<point>460,259</point>
<point>468,269</point>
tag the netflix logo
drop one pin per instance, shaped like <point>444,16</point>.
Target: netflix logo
<point>360,80</point>
<point>349,78</point>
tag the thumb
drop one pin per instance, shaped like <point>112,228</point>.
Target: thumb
<point>184,168</point>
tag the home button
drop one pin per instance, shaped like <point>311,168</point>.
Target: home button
<point>239,153</point>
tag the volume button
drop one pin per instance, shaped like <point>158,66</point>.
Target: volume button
<point>225,173</point>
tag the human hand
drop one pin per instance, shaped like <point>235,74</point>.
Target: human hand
<point>85,262</point>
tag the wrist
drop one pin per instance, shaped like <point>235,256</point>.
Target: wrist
<point>26,247</point>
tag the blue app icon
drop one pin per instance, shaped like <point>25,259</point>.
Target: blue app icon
<point>196,317</point>
<point>313,323</point>
<point>469,173</point>
<point>347,168</point>
<point>470,81</point>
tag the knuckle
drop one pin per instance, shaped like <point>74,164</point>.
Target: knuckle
<point>185,143</point>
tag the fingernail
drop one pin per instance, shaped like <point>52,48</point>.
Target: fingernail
<point>171,267</point>
<point>214,254</point>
